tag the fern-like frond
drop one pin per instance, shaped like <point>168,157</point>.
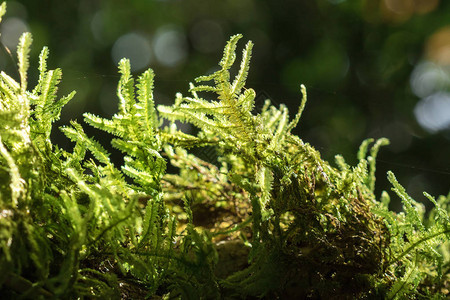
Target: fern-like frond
<point>295,121</point>
<point>229,53</point>
<point>415,242</point>
<point>372,161</point>
<point>181,139</point>
<point>17,184</point>
<point>239,81</point>
<point>23,52</point>
<point>76,134</point>
<point>43,56</point>
<point>146,103</point>
<point>125,90</point>
<point>48,89</point>
<point>362,152</point>
<point>414,211</point>
<point>9,87</point>
<point>407,283</point>
<point>53,110</point>
<point>230,115</point>
<point>280,132</point>
<point>264,178</point>
<point>136,120</point>
<point>440,215</point>
<point>110,126</point>
<point>41,103</point>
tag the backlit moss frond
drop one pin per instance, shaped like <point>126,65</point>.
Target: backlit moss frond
<point>417,242</point>
<point>230,116</point>
<point>23,52</point>
<point>136,128</point>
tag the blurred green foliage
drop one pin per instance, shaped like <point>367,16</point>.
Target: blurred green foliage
<point>355,57</point>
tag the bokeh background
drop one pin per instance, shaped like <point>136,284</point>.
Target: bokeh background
<point>372,68</point>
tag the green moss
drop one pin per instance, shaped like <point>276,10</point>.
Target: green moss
<point>269,218</point>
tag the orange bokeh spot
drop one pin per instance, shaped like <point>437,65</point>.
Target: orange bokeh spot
<point>437,48</point>
<point>399,11</point>
<point>425,6</point>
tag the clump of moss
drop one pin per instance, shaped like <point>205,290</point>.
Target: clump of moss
<point>268,217</point>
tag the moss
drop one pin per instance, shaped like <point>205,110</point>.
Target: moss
<point>265,217</point>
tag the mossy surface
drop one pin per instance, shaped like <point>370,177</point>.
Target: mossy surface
<point>267,217</point>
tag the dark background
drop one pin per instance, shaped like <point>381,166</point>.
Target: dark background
<point>372,68</point>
